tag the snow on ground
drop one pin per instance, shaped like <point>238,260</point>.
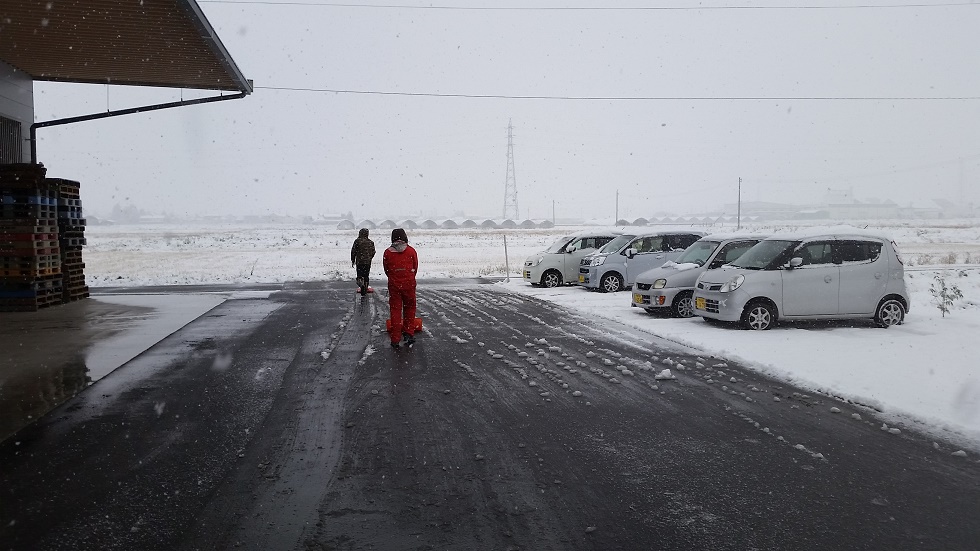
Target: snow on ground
<point>924,373</point>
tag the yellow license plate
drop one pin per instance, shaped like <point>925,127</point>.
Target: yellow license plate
<point>637,298</point>
<point>699,303</point>
<point>581,279</point>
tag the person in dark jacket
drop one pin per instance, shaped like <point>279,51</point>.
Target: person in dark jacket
<point>361,255</point>
<point>401,263</point>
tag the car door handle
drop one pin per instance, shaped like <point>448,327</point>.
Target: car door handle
<point>878,275</point>
<point>828,279</point>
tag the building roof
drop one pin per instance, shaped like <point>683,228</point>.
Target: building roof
<point>166,43</point>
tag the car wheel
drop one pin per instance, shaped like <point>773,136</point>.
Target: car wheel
<point>611,283</point>
<point>758,316</point>
<point>551,278</point>
<point>890,312</point>
<point>683,306</point>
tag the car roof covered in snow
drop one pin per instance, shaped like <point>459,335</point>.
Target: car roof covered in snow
<point>728,236</point>
<point>817,232</point>
<point>595,231</point>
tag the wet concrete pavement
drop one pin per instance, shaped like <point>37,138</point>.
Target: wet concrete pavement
<point>49,356</point>
<point>284,421</point>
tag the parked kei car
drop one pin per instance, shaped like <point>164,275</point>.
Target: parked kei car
<point>671,286</point>
<point>819,274</point>
<point>615,266</point>
<point>558,264</point>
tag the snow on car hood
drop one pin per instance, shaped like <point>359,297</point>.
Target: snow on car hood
<point>669,271</point>
<point>680,267</point>
<point>721,275</point>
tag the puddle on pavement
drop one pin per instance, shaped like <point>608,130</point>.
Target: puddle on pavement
<point>49,356</point>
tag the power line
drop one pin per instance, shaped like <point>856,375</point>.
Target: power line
<point>622,98</point>
<point>587,8</point>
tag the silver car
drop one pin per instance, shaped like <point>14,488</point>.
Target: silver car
<point>615,266</point>
<point>671,286</point>
<point>834,275</point>
<point>558,264</point>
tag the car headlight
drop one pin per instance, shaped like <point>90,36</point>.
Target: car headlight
<point>534,261</point>
<point>733,284</point>
<point>597,261</point>
<point>660,284</point>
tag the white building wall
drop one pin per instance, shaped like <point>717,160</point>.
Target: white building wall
<point>17,102</point>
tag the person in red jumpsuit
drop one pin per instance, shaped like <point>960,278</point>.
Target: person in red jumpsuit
<point>401,264</point>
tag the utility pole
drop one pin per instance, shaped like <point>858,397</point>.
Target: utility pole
<point>553,212</point>
<point>510,181</point>
<point>616,219</point>
<point>738,219</point>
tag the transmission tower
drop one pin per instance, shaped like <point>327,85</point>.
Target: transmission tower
<point>510,182</point>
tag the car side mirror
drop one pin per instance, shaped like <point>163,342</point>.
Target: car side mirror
<point>795,262</point>
<point>630,252</point>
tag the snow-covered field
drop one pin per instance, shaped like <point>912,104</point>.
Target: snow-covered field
<point>925,373</point>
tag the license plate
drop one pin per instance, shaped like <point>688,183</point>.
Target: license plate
<point>637,298</point>
<point>581,279</point>
<point>699,303</point>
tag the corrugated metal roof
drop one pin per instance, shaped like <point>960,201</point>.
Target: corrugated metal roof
<point>129,42</point>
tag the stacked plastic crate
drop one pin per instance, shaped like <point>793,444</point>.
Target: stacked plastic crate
<point>71,238</point>
<point>30,258</point>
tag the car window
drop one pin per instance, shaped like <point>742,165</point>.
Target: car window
<point>698,252</point>
<point>615,244</point>
<point>681,241</point>
<point>769,254</point>
<point>858,251</point>
<point>649,244</point>
<point>558,245</point>
<point>815,252</point>
<point>734,250</point>
<point>594,242</point>
<point>575,245</point>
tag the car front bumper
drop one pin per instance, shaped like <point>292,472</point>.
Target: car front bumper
<point>532,274</point>
<point>654,298</point>
<point>588,277</point>
<point>719,306</point>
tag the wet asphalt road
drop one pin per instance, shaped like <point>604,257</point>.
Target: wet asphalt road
<point>288,423</point>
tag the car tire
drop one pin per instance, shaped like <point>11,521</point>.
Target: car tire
<point>683,305</point>
<point>551,278</point>
<point>758,316</point>
<point>611,283</point>
<point>890,312</point>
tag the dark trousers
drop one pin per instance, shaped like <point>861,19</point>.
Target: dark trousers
<point>363,275</point>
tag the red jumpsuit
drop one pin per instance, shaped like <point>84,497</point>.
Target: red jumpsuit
<point>401,263</point>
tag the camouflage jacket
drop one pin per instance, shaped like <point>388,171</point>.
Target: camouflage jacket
<point>362,252</point>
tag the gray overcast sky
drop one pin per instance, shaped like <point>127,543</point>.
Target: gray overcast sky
<point>309,152</point>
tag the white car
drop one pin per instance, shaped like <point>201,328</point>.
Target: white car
<point>828,274</point>
<point>671,286</point>
<point>615,266</point>
<point>558,264</point>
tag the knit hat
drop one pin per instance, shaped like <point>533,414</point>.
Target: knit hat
<point>363,232</point>
<point>398,234</point>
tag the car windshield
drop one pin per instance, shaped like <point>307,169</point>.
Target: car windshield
<point>698,253</point>
<point>766,255</point>
<point>616,244</point>
<point>557,246</point>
